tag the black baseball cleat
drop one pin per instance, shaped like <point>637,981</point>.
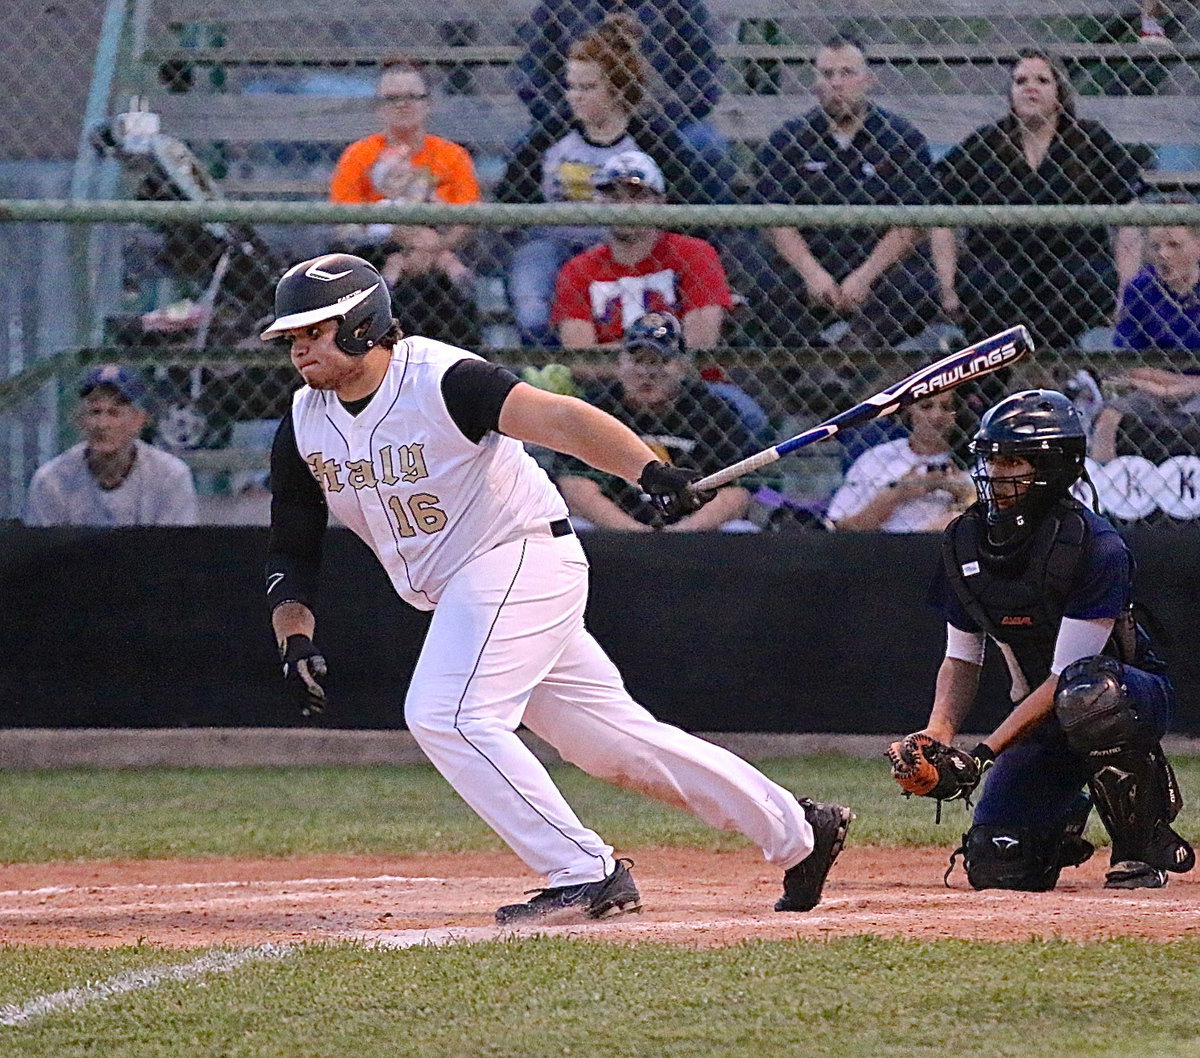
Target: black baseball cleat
<point>1134,874</point>
<point>803,883</point>
<point>1164,851</point>
<point>614,895</point>
<point>1168,851</point>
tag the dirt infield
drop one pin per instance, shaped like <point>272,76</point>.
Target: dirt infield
<point>691,898</point>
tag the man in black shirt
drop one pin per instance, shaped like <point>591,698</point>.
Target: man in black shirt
<point>687,425</point>
<point>846,151</point>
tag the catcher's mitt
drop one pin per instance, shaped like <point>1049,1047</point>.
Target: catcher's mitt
<point>928,768</point>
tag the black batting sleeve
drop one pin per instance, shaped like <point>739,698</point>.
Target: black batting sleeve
<point>298,518</point>
<point>474,392</point>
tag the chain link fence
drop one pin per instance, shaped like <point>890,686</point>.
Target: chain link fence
<point>583,117</point>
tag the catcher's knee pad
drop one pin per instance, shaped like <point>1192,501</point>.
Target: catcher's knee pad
<point>1094,709</point>
<point>998,857</point>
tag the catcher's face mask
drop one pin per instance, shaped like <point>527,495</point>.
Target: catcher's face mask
<point>1002,481</point>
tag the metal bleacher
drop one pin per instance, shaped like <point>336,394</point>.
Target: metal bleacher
<point>227,75</point>
<point>266,96</point>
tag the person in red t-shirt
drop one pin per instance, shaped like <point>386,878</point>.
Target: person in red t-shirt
<point>601,291</point>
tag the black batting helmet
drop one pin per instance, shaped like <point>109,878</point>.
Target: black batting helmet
<point>1044,428</point>
<point>659,332</point>
<point>334,286</point>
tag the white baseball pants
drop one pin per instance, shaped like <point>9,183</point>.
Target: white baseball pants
<point>507,645</point>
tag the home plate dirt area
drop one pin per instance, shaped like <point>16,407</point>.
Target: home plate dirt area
<point>696,899</point>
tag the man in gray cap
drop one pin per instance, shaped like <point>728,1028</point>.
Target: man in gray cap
<point>658,395</point>
<point>112,477</point>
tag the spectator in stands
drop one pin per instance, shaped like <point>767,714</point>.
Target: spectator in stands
<point>431,286</point>
<point>1158,411</point>
<point>657,394</point>
<point>909,485</point>
<point>607,92</point>
<point>1060,281</point>
<point>603,290</point>
<point>112,477</point>
<point>1160,308</point>
<point>1151,27</point>
<point>677,44</point>
<point>846,151</point>
<point>1149,411</point>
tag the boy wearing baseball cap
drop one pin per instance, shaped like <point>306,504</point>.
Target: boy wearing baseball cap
<point>657,394</point>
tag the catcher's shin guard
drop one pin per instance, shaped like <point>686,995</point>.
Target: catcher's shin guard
<point>1132,784</point>
<point>1137,797</point>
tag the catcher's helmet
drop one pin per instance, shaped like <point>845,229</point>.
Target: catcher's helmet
<point>659,332</point>
<point>334,286</point>
<point>1043,427</point>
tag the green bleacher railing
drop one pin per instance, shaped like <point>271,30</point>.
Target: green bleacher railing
<point>496,215</point>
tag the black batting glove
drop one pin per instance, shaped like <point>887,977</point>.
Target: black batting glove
<point>303,668</point>
<point>670,489</point>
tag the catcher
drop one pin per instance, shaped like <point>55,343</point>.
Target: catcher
<point>1049,582</point>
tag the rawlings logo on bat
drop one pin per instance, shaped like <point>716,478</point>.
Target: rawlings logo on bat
<point>960,373</point>
<point>969,363</point>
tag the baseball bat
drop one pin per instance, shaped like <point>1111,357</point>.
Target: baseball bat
<point>951,371</point>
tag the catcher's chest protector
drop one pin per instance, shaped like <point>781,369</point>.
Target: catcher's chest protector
<point>1021,607</point>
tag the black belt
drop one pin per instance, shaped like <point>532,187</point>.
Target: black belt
<point>562,527</point>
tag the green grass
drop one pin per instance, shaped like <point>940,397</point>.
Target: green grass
<point>101,814</point>
<point>531,997</point>
<point>550,997</point>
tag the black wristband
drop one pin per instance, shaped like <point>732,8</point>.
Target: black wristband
<point>649,467</point>
<point>289,581</point>
<point>297,641</point>
<point>984,753</point>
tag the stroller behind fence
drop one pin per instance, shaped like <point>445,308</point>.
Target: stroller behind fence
<point>193,288</point>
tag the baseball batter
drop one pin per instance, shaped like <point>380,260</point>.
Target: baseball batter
<point>417,447</point>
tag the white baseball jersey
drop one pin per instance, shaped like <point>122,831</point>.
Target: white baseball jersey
<point>477,529</point>
<point>401,474</point>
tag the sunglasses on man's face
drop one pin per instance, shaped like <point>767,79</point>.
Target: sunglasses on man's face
<point>402,99</point>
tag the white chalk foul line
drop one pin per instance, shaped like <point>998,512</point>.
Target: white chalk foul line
<point>49,912</point>
<point>213,962</point>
